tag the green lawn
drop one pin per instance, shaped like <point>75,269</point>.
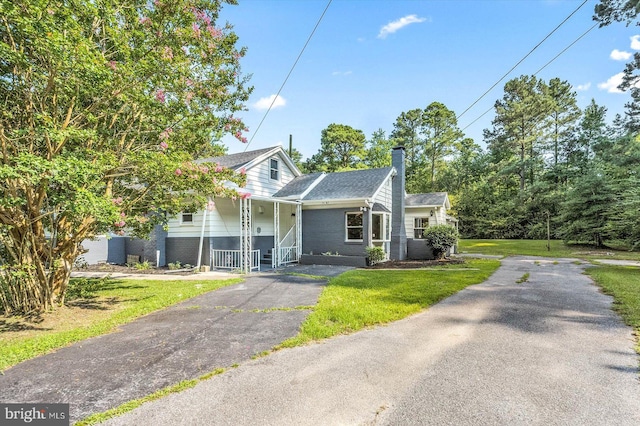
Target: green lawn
<point>623,284</point>
<point>104,305</point>
<point>362,298</point>
<point>539,248</point>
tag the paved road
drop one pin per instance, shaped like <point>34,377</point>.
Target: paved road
<point>214,330</point>
<point>545,352</point>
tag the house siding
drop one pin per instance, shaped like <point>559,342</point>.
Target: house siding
<point>439,218</point>
<point>324,231</point>
<point>185,249</point>
<point>385,194</point>
<point>259,182</point>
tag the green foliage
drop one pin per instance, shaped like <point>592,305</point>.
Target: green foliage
<point>440,238</point>
<point>106,105</point>
<point>174,265</point>
<point>364,298</point>
<point>341,148</point>
<point>143,266</point>
<point>375,254</point>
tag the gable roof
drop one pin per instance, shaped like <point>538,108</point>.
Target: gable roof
<point>430,199</point>
<point>249,159</point>
<point>297,188</point>
<point>356,184</point>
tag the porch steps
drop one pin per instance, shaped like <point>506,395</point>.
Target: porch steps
<point>266,257</point>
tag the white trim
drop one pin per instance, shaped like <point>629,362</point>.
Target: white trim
<point>346,227</point>
<point>277,169</point>
<point>276,149</point>
<point>187,223</point>
<point>391,174</point>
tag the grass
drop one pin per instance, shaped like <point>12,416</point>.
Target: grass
<point>362,298</point>
<point>133,404</point>
<point>539,248</point>
<point>623,284</point>
<point>100,310</point>
<point>523,279</point>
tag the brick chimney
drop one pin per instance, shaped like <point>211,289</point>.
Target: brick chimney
<point>398,233</point>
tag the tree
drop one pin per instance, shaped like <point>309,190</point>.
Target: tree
<point>563,115</point>
<point>406,133</point>
<point>105,106</point>
<point>379,150</point>
<point>518,127</point>
<point>607,12</point>
<point>440,128</point>
<point>341,148</point>
<point>585,212</point>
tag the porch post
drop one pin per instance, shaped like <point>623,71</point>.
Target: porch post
<point>298,231</point>
<point>275,256</point>
<point>245,235</point>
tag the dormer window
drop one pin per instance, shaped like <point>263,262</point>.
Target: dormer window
<point>274,169</point>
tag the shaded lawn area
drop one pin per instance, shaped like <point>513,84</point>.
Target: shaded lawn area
<point>539,248</point>
<point>363,298</point>
<point>97,306</point>
<point>623,284</point>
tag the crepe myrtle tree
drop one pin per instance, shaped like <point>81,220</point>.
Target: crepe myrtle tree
<point>105,106</point>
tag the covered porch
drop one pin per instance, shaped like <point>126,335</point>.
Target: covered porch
<point>269,233</point>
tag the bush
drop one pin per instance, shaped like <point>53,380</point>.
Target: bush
<point>441,238</point>
<point>375,254</point>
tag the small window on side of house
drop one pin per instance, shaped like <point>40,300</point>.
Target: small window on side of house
<point>354,228</point>
<point>186,219</point>
<point>274,169</point>
<point>419,225</point>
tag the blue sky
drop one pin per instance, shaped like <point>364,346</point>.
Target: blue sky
<point>370,60</point>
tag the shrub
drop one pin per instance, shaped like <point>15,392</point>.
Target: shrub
<point>375,254</point>
<point>143,266</point>
<point>441,238</point>
<point>175,265</point>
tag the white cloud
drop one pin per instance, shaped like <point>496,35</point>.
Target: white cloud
<point>583,87</point>
<point>265,103</point>
<point>619,55</point>
<point>341,73</point>
<point>635,42</point>
<point>394,26</point>
<point>612,84</point>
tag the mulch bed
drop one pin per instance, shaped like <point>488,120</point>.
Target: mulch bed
<point>415,264</point>
<point>110,268</point>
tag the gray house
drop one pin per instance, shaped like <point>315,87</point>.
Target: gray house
<point>289,217</point>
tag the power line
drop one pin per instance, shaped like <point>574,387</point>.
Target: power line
<point>536,73</point>
<point>288,75</point>
<point>521,60</point>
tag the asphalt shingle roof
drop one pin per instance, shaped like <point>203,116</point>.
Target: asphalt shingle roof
<point>429,199</point>
<point>297,186</point>
<point>236,161</point>
<point>349,185</point>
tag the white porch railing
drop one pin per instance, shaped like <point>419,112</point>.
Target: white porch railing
<point>288,255</point>
<point>232,259</point>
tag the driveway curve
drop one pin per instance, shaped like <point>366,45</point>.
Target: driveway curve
<point>546,351</point>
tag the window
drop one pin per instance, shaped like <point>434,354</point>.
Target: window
<point>380,227</point>
<point>274,169</point>
<point>354,226</point>
<point>186,219</point>
<point>419,225</point>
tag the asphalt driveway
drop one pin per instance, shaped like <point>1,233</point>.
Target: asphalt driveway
<point>214,330</point>
<point>548,351</point>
